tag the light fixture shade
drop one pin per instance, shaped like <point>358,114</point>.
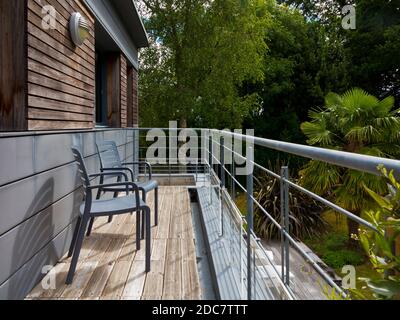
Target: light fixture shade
<point>79,28</point>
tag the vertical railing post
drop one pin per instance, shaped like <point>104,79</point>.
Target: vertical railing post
<point>285,245</point>
<point>233,177</point>
<point>136,152</point>
<point>250,223</point>
<point>210,159</point>
<point>222,182</point>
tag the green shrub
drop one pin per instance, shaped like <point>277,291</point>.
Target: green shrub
<point>340,258</point>
<point>335,241</point>
<point>333,250</point>
<point>305,216</point>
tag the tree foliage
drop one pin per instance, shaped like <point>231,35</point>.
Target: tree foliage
<point>301,67</point>
<point>201,52</point>
<point>372,48</point>
<point>380,245</point>
<point>354,122</point>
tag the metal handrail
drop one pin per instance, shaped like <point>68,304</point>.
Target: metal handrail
<point>313,195</point>
<point>348,160</point>
<point>363,163</point>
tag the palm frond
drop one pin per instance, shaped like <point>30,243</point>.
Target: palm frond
<point>317,133</point>
<point>384,107</point>
<point>363,134</point>
<point>333,100</point>
<point>352,195</point>
<point>320,177</point>
<point>357,101</point>
<point>387,149</point>
<point>387,123</point>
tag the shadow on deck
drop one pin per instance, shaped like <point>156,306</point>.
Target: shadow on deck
<point>110,268</point>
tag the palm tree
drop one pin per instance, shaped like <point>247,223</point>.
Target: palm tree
<point>354,122</point>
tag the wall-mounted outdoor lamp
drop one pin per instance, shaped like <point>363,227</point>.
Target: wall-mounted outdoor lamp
<point>79,28</point>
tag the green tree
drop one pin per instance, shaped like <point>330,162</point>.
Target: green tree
<point>380,245</point>
<point>201,53</point>
<point>302,65</point>
<point>354,122</point>
<point>372,48</point>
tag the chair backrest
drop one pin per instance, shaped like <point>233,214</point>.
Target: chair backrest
<point>109,155</point>
<point>80,162</point>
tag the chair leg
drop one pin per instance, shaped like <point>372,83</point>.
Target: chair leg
<point>156,207</point>
<point>78,246</point>
<point>110,218</point>
<point>148,239</point>
<point>89,231</point>
<point>73,241</point>
<point>143,218</point>
<point>138,217</point>
<point>98,196</point>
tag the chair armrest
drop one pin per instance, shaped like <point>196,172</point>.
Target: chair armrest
<point>105,174</point>
<point>141,163</point>
<point>121,169</point>
<point>120,184</point>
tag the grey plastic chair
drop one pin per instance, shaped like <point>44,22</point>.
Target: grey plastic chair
<point>97,208</point>
<point>110,161</point>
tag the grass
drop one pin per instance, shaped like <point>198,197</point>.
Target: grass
<point>333,247</point>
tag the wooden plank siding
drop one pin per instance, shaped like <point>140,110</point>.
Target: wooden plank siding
<point>129,96</point>
<point>48,83</point>
<point>124,92</point>
<point>12,65</point>
<point>133,103</point>
<point>132,98</point>
<point>60,76</point>
<point>114,90</point>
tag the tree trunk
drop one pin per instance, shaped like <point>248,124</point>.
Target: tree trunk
<point>353,228</point>
<point>183,123</point>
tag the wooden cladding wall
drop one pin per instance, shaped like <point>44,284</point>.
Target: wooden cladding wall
<point>133,108</point>
<point>124,92</point>
<point>12,65</point>
<point>114,90</point>
<point>135,99</point>
<point>61,76</point>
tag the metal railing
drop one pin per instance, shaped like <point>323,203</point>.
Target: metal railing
<point>210,161</point>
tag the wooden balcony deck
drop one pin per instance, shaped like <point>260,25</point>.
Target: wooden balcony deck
<point>110,268</point>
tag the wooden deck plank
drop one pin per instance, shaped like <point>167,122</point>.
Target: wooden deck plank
<point>135,283</point>
<point>117,280</point>
<point>154,282</point>
<point>176,216</point>
<point>128,251</point>
<point>173,271</point>
<point>98,281</point>
<point>186,286</point>
<point>165,217</point>
<point>75,290</point>
<point>110,268</point>
<point>59,270</point>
